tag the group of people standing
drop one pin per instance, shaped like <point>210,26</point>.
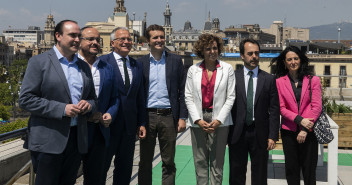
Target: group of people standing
<point>87,109</point>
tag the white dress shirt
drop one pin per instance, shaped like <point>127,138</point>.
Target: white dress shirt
<point>95,74</point>
<point>255,79</point>
<point>119,61</point>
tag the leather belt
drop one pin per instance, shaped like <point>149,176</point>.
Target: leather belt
<point>208,110</point>
<point>160,111</point>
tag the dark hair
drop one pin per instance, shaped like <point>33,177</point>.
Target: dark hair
<point>279,63</point>
<point>153,27</point>
<point>204,41</point>
<point>59,26</point>
<point>243,42</point>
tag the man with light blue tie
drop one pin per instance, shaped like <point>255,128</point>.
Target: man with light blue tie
<point>58,91</point>
<point>164,82</point>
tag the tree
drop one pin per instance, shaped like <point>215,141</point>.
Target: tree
<point>4,113</point>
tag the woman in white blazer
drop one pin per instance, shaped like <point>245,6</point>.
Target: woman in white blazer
<point>209,95</point>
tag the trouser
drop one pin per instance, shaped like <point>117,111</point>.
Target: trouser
<point>300,157</point>
<point>93,161</point>
<point>122,145</point>
<point>58,169</point>
<point>161,126</point>
<point>238,155</point>
<point>208,154</point>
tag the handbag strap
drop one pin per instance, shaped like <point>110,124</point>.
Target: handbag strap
<point>310,91</point>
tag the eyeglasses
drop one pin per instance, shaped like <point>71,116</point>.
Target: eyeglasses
<point>91,39</point>
<point>123,39</point>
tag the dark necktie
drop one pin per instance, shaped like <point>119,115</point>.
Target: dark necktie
<point>249,108</point>
<point>127,78</point>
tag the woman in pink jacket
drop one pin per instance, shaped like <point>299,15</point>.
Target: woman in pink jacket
<point>299,112</point>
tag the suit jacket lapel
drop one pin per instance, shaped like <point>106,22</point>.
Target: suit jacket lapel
<point>219,74</point>
<point>84,78</point>
<point>260,84</point>
<point>240,86</point>
<point>102,75</point>
<point>57,65</point>
<point>146,71</point>
<point>289,87</point>
<point>198,80</point>
<point>120,83</point>
<point>305,87</point>
<point>168,71</point>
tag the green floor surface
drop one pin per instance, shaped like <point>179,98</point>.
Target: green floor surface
<point>185,174</point>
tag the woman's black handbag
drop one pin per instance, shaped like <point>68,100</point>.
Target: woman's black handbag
<point>321,128</point>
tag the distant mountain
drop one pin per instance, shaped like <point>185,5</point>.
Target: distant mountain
<point>329,31</point>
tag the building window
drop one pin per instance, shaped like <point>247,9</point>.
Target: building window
<point>343,71</point>
<point>239,66</point>
<point>313,68</point>
<point>327,70</point>
<point>342,81</point>
<point>327,82</point>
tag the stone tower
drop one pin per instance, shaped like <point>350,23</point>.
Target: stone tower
<point>49,31</point>
<point>216,25</point>
<point>167,25</point>
<point>120,6</point>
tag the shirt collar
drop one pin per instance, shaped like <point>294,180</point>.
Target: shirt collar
<point>202,65</point>
<point>151,57</point>
<point>246,70</point>
<point>96,62</point>
<point>60,56</point>
<point>118,57</point>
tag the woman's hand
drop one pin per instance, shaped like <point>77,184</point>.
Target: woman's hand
<point>203,124</point>
<point>301,137</point>
<point>214,125</point>
<point>307,123</point>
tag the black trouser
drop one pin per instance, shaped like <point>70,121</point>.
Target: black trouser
<point>161,126</point>
<point>300,157</point>
<point>93,161</point>
<point>58,169</point>
<point>238,154</point>
<point>122,145</point>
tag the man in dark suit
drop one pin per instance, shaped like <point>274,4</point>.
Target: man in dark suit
<point>58,91</point>
<point>106,91</point>
<point>164,84</point>
<point>131,114</point>
<point>256,115</point>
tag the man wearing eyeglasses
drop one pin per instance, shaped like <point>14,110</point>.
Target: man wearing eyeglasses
<point>98,123</point>
<point>131,114</point>
<point>256,116</point>
<point>58,91</point>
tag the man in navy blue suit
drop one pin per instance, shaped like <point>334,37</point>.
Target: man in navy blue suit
<point>131,114</point>
<point>164,83</point>
<point>98,124</point>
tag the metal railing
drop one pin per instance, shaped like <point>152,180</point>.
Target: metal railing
<point>28,166</point>
<point>13,134</point>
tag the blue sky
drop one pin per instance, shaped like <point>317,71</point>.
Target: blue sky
<point>295,13</point>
